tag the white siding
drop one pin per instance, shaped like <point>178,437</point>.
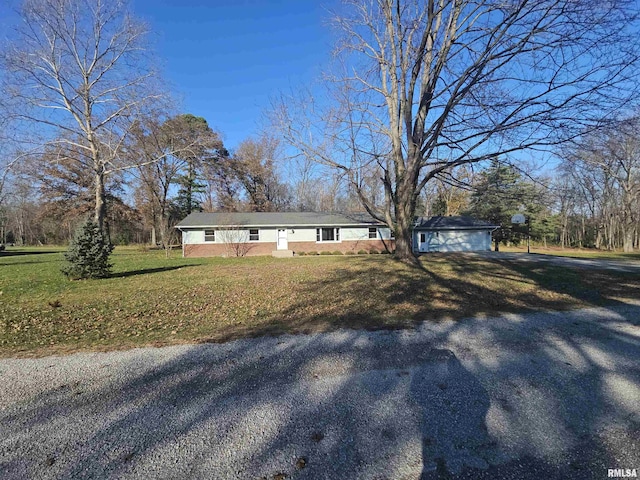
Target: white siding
<point>229,236</point>
<point>269,234</point>
<point>354,233</point>
<point>302,234</point>
<point>193,236</point>
<point>384,233</point>
<point>362,233</point>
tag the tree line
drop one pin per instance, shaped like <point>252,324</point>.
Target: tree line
<point>429,107</point>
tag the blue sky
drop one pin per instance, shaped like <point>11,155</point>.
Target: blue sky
<point>226,59</point>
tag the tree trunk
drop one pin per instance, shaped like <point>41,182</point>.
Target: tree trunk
<point>404,249</point>
<point>164,232</point>
<point>101,204</point>
<point>189,191</point>
<point>153,236</point>
<point>404,245</point>
<point>405,208</point>
<point>627,239</point>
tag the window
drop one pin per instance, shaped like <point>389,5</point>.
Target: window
<point>254,235</point>
<point>327,235</point>
<point>393,234</point>
<point>373,232</point>
<point>209,235</point>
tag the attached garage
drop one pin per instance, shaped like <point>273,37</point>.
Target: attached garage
<point>452,234</point>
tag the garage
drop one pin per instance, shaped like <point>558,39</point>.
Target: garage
<point>452,234</point>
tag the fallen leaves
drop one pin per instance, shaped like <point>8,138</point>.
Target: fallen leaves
<point>224,299</point>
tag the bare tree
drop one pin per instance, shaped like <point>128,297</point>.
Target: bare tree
<point>236,241</point>
<point>80,70</point>
<point>427,86</point>
<point>170,151</point>
<point>605,170</point>
<point>255,168</point>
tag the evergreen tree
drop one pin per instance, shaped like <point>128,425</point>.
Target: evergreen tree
<point>499,193</point>
<point>198,145</point>
<point>88,254</point>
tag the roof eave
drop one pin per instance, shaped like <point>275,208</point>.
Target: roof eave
<point>314,225</point>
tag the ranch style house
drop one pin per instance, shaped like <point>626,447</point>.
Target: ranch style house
<point>284,234</point>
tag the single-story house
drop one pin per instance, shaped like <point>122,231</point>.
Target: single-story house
<point>451,234</point>
<point>286,233</point>
<point>280,233</point>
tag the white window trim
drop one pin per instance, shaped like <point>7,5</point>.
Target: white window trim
<point>336,234</point>
<point>369,237</point>
<point>258,234</point>
<point>205,235</point>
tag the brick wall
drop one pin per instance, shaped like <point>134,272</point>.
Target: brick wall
<point>265,248</point>
<point>344,246</point>
<point>221,249</point>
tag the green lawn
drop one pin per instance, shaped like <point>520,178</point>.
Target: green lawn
<point>154,300</point>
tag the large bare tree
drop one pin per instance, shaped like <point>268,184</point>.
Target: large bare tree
<point>423,87</point>
<point>255,168</point>
<point>171,151</point>
<point>80,70</point>
<point>605,174</point>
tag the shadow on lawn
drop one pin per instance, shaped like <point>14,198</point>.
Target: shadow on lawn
<point>538,401</point>
<point>372,294</point>
<point>15,253</point>
<point>145,271</point>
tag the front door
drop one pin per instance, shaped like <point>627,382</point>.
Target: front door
<point>422,243</point>
<point>283,244</point>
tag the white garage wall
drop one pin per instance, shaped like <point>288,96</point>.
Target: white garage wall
<point>454,241</point>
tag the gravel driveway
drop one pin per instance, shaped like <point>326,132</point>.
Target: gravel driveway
<point>629,266</point>
<point>552,395</point>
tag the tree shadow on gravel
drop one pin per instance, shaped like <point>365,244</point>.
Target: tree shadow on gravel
<point>536,396</point>
<point>541,396</point>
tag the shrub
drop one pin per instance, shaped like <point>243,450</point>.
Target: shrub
<point>373,251</point>
<point>385,252</point>
<point>88,254</point>
<point>300,254</point>
<point>350,252</point>
<point>2,247</point>
<point>337,252</point>
<point>325,252</point>
<point>362,252</point>
<point>312,253</point>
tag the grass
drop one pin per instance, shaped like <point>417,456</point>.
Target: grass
<point>154,300</point>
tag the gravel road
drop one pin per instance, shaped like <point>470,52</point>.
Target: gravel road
<point>544,395</point>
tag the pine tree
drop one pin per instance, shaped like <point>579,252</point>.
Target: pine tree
<point>500,192</point>
<point>88,254</point>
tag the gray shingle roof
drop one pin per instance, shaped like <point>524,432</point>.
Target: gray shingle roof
<point>275,219</point>
<point>451,223</point>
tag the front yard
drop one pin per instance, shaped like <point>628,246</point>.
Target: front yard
<point>153,300</point>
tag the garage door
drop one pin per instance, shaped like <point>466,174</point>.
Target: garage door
<point>464,241</point>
